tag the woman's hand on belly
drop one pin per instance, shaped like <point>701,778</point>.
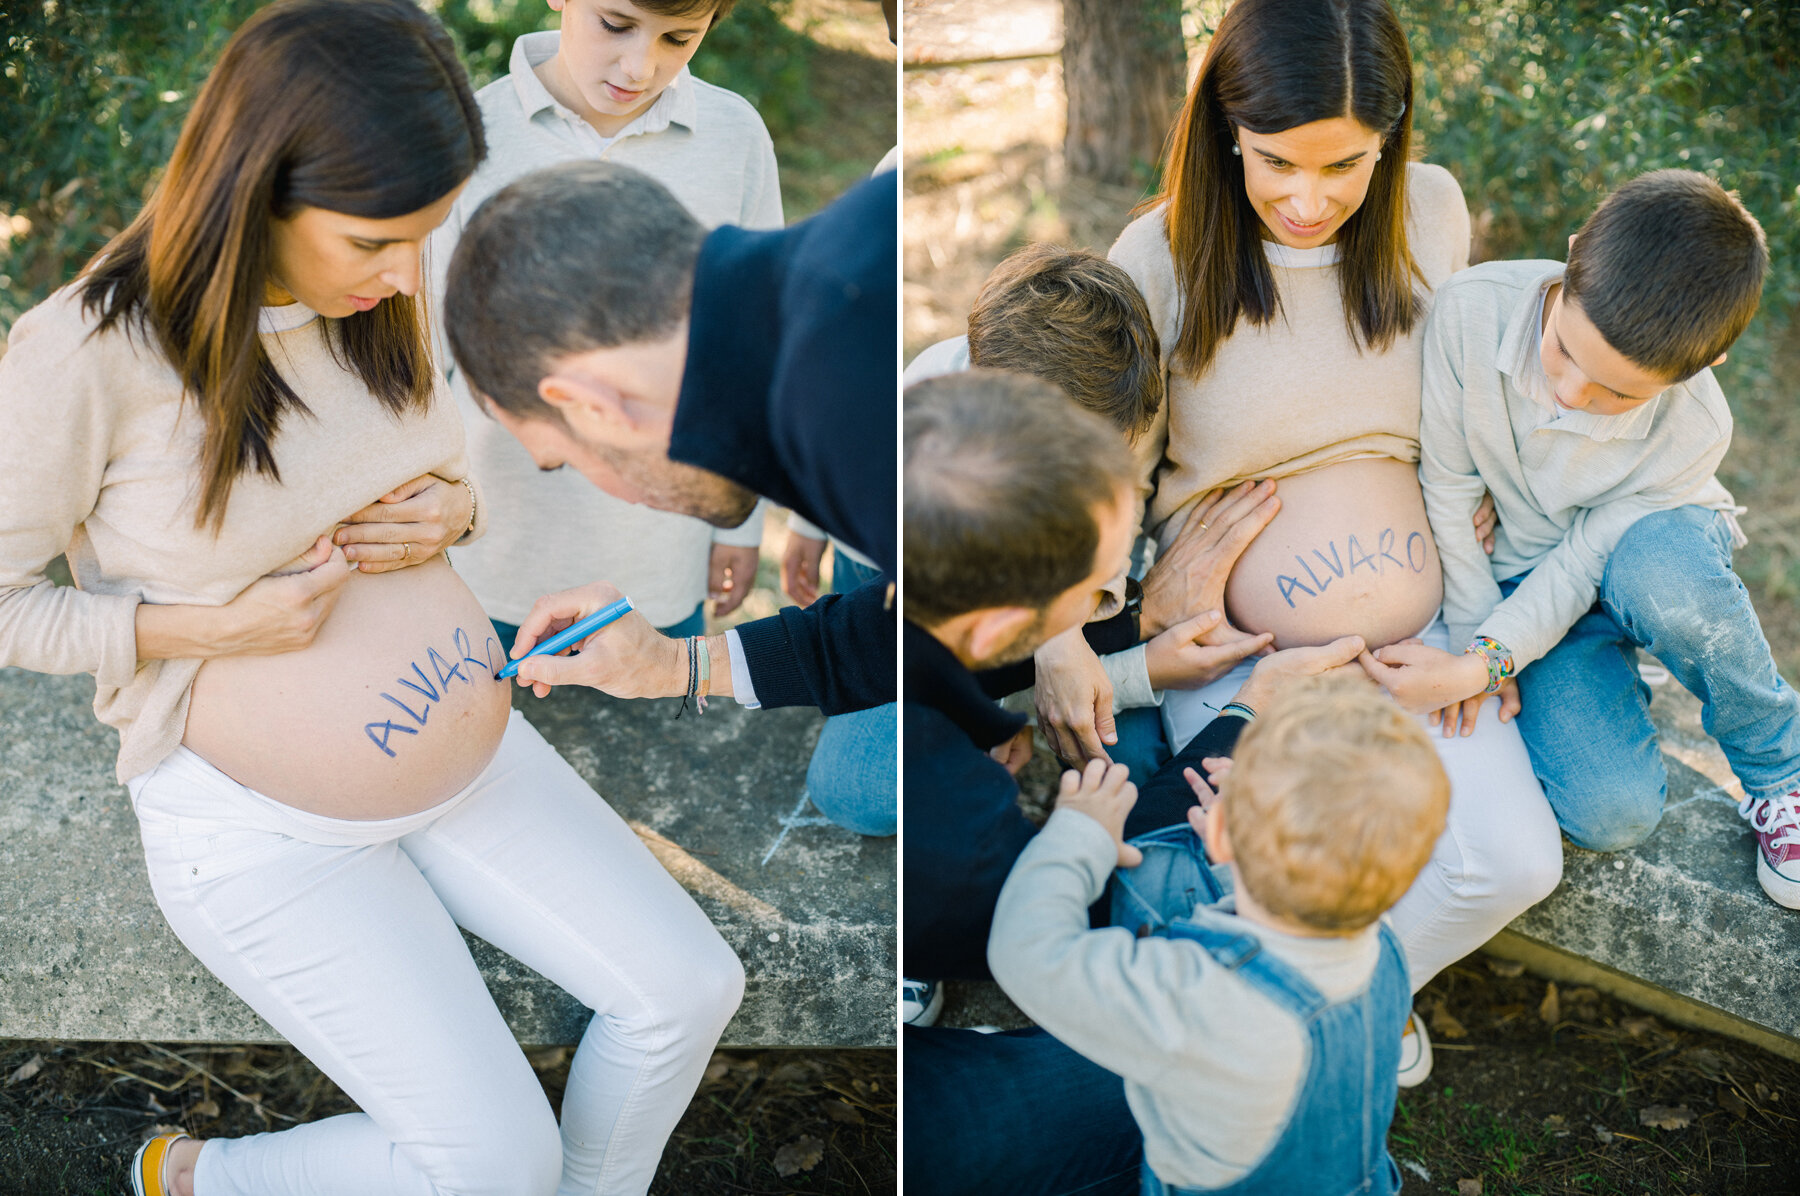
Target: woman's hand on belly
<point>408,525</point>
<point>1190,576</point>
<point>282,612</point>
<point>1182,657</point>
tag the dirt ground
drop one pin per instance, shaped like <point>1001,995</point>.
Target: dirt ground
<point>764,1122</point>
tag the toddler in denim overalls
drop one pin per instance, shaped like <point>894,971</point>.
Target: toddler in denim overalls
<point>1257,1033</point>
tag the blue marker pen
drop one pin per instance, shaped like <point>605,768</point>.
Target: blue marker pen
<point>579,630</point>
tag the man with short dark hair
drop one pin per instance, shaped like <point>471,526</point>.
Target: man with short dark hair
<point>598,323</point>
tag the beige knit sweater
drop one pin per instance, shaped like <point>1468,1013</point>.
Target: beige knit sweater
<point>1296,393</point>
<point>99,458</point>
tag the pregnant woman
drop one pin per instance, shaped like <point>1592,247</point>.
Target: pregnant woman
<point>231,425</point>
<point>1288,267</point>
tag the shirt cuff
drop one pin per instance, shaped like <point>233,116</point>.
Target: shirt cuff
<point>742,688</point>
<point>800,525</point>
<point>1129,672</point>
<point>747,534</point>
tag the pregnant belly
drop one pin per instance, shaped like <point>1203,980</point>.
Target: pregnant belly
<point>1350,553</point>
<point>392,709</point>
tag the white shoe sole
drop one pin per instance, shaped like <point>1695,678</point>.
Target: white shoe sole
<point>1780,889</point>
<point>1420,1071</point>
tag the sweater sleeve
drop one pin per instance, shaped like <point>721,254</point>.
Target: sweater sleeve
<point>1449,478</point>
<point>837,654</point>
<point>1128,1004</point>
<point>60,419</point>
<point>762,186</point>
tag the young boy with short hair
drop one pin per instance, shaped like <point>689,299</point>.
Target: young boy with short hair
<point>613,83</point>
<point>1580,396</point>
<point>1248,1030</point>
<point>1073,318</point>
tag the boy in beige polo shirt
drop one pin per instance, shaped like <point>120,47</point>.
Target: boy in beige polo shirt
<point>612,84</point>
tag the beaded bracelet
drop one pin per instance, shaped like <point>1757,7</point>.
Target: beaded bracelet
<point>1240,709</point>
<point>474,504</point>
<point>1497,656</point>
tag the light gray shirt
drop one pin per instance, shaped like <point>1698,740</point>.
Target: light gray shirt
<point>555,531</point>
<point>1566,484</point>
<point>1211,1065</point>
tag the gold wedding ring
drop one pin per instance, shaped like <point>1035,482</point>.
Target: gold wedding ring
<point>1204,525</point>
<point>406,547</point>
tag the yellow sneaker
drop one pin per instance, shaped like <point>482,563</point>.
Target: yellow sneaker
<point>147,1166</point>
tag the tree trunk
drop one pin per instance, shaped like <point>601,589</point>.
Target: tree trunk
<point>1125,72</point>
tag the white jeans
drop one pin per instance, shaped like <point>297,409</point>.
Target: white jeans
<point>1500,853</point>
<point>343,935</point>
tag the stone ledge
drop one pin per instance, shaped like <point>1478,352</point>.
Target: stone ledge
<point>85,954</point>
<point>1677,925</point>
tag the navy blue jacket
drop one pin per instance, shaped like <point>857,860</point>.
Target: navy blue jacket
<point>789,390</point>
<point>964,827</point>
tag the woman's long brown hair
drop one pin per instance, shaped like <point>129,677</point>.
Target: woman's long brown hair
<point>1274,65</point>
<point>354,106</point>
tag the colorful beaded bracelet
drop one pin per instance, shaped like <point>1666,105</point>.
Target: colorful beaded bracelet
<point>1498,657</point>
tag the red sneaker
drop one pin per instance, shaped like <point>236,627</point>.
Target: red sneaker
<point>1776,821</point>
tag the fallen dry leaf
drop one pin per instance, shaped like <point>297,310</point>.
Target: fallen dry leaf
<point>841,1111</point>
<point>1663,1117</point>
<point>1637,1027</point>
<point>206,1108</point>
<point>791,1073</point>
<point>547,1058</point>
<point>1443,1024</point>
<point>26,1070</point>
<point>163,1127</point>
<point>1733,1104</point>
<point>1556,1121</point>
<point>718,1069</point>
<point>802,1154</point>
<point>1550,1008</point>
<point>1603,1134</point>
<point>1468,1187</point>
<point>1506,969</point>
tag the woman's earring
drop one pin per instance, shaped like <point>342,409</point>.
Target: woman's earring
<point>1378,155</point>
<point>1236,152</point>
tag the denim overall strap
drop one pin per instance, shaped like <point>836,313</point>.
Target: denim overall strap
<point>1335,1139</point>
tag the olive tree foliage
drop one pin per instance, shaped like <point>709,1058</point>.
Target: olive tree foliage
<point>93,93</point>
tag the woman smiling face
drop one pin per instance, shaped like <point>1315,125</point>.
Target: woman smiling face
<point>1305,182</point>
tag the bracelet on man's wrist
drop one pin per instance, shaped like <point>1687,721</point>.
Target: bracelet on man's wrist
<point>1241,709</point>
<point>1498,658</point>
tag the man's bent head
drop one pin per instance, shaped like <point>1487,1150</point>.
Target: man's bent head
<point>566,308</point>
<point>1018,512</point>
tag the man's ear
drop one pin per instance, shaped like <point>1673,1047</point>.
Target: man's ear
<point>587,404</point>
<point>995,630</point>
<point>1572,237</point>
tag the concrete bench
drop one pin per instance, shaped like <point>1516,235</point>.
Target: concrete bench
<point>1677,925</point>
<point>809,907</point>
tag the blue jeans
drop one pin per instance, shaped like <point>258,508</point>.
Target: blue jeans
<point>1668,589</point>
<point>851,774</point>
<point>1018,1113</point>
<point>1142,746</point>
<point>694,624</point>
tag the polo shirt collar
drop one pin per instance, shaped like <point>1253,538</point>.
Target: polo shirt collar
<point>1518,359</point>
<point>677,105</point>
